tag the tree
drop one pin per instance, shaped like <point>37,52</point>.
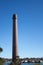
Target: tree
<point>1,60</point>
<point>1,49</point>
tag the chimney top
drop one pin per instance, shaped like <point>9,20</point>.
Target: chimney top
<point>14,16</point>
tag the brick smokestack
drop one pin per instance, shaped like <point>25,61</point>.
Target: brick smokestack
<point>15,38</point>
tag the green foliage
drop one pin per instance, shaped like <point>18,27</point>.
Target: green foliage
<point>16,62</point>
<point>1,61</point>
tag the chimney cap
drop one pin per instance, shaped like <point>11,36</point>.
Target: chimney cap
<point>14,16</point>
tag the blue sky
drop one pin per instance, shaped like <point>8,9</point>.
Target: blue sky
<point>30,27</point>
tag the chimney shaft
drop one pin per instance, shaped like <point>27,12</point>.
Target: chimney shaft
<point>15,38</point>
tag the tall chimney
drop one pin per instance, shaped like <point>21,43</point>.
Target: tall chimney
<point>15,38</point>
